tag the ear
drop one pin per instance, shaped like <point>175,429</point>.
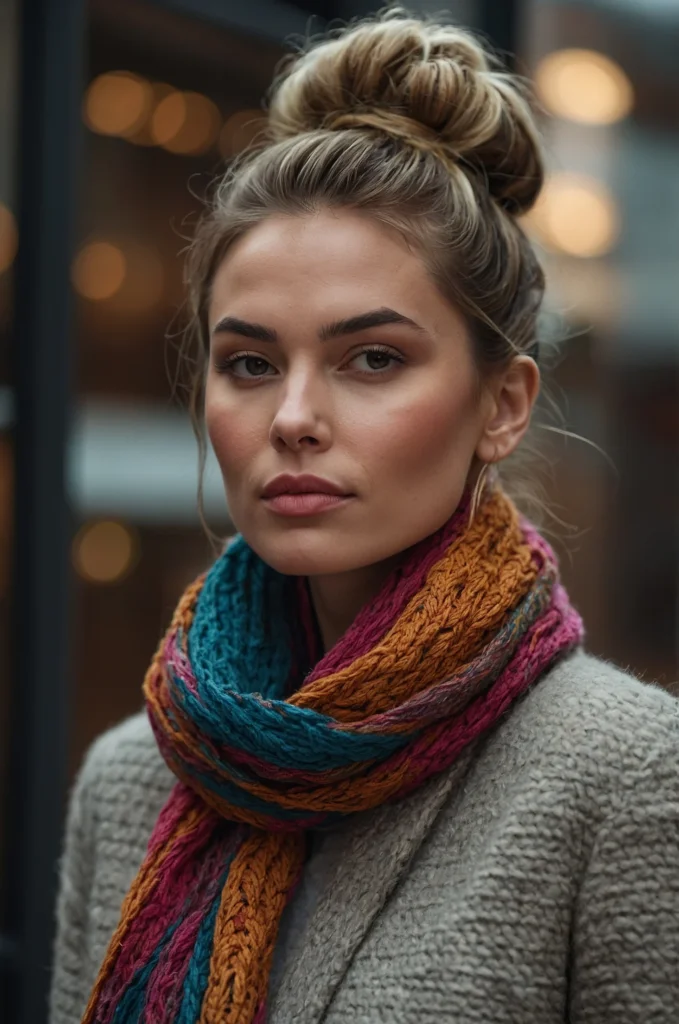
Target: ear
<point>512,395</point>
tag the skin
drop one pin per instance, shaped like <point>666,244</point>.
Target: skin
<point>403,437</point>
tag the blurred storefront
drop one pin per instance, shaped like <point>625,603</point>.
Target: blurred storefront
<point>166,92</point>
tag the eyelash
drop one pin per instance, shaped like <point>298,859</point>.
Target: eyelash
<point>225,365</point>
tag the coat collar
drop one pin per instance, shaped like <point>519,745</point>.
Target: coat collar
<point>367,857</point>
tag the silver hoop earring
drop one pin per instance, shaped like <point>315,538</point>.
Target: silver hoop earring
<point>478,491</point>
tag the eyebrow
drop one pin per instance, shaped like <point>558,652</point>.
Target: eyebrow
<point>337,329</point>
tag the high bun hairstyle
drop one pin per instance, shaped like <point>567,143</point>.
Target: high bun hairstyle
<point>415,123</point>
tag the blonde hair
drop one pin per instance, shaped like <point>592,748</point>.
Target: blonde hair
<point>415,123</point>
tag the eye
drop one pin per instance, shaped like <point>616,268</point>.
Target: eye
<point>251,360</point>
<point>379,353</point>
<point>256,365</point>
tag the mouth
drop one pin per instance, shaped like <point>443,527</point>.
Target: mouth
<point>307,503</point>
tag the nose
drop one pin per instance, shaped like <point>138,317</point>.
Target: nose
<point>302,416</point>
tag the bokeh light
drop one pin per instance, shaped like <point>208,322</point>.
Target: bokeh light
<point>185,122</point>
<point>575,214</point>
<point>590,291</point>
<point>104,551</point>
<point>144,281</point>
<point>142,135</point>
<point>98,271</point>
<point>168,118</point>
<point>117,103</point>
<point>239,131</point>
<point>585,86</point>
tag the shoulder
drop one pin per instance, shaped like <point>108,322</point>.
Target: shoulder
<point>119,791</point>
<point>608,688</point>
<point>599,726</point>
<point>128,745</point>
<point>587,699</point>
<point>587,747</point>
<point>123,775</point>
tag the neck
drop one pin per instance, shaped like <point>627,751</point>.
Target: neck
<point>338,598</point>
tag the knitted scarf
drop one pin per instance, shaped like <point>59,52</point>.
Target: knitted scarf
<point>268,738</point>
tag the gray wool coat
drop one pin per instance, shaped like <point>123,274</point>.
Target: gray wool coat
<point>535,882</point>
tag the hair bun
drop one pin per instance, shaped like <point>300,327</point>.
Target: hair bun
<point>438,77</point>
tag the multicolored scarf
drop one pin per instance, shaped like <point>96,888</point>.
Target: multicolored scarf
<point>268,738</point>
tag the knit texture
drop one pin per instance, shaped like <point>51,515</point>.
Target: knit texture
<point>467,621</point>
<point>537,886</point>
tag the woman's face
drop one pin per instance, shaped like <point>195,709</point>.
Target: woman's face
<point>396,428</point>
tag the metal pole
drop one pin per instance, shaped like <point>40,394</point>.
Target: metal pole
<point>52,39</point>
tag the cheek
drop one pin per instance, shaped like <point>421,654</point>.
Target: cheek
<point>435,429</point>
<point>231,435</point>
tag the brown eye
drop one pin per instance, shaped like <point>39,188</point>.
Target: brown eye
<point>255,365</point>
<point>378,355</point>
<point>381,358</point>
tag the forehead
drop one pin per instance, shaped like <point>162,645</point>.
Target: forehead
<point>339,260</point>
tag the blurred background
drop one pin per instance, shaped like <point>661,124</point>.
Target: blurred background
<point>114,117</point>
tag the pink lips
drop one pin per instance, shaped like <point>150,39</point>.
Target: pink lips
<point>303,495</point>
<point>304,484</point>
<point>305,504</point>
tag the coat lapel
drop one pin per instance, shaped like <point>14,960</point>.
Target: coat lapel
<point>367,857</point>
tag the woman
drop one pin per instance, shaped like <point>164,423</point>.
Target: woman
<point>378,776</point>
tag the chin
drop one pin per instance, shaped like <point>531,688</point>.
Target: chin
<point>305,550</point>
<point>297,547</point>
<point>297,555</point>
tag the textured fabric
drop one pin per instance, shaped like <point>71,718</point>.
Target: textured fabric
<point>469,619</point>
<point>538,884</point>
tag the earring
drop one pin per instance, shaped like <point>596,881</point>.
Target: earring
<point>478,491</point>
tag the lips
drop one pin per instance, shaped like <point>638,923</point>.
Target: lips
<point>304,484</point>
<point>305,505</point>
